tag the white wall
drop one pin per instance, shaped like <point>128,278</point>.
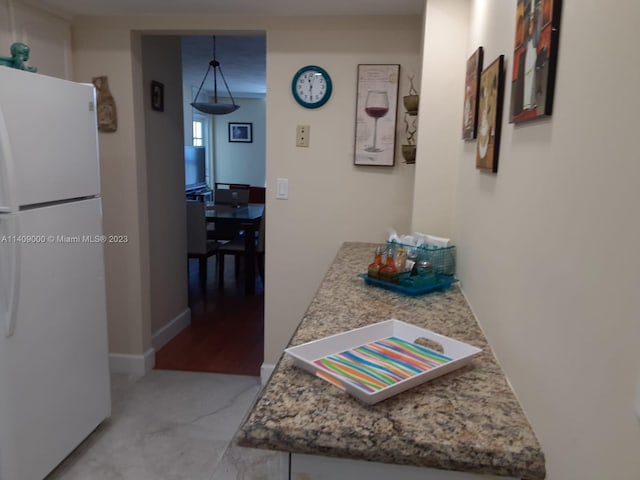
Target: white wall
<point>241,162</point>
<point>100,49</point>
<point>48,35</point>
<point>6,29</point>
<point>330,199</point>
<point>161,61</point>
<point>546,247</point>
<point>443,76</point>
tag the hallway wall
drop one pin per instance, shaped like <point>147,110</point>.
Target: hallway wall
<point>546,247</point>
<point>164,146</point>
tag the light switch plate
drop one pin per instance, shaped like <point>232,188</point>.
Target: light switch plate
<point>282,188</point>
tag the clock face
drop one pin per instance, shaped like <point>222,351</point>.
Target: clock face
<point>311,86</point>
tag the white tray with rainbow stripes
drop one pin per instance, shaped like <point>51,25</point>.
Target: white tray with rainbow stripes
<point>378,361</point>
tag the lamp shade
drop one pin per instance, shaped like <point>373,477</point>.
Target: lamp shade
<point>215,108</point>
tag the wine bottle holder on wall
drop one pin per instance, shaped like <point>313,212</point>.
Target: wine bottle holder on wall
<point>107,113</point>
<point>411,103</point>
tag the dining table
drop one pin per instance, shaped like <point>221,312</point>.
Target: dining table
<point>242,218</point>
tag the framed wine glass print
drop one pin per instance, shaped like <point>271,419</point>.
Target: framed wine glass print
<point>535,54</point>
<point>490,116</point>
<point>470,108</point>
<point>376,108</point>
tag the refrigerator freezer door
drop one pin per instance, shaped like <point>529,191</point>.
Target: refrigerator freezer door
<point>48,140</point>
<point>54,374</point>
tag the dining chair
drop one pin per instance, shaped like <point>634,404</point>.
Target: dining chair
<point>237,248</point>
<point>225,196</point>
<point>198,245</point>
<point>232,186</point>
<point>257,195</point>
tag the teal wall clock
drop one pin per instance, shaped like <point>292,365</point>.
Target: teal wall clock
<point>311,86</point>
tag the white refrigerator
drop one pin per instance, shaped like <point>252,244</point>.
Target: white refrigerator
<point>54,373</point>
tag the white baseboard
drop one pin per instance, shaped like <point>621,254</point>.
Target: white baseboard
<point>171,329</point>
<point>266,369</point>
<point>137,365</point>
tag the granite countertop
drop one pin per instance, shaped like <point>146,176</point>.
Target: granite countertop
<point>468,420</point>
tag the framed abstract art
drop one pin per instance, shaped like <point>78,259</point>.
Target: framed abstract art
<point>470,109</point>
<point>535,56</point>
<point>490,115</point>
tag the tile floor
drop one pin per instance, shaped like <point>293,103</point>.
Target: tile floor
<point>173,425</point>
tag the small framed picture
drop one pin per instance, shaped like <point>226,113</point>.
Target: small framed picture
<point>241,132</point>
<point>490,116</point>
<point>470,115</point>
<point>157,96</point>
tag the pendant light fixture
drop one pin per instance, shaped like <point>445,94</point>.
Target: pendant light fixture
<point>215,108</point>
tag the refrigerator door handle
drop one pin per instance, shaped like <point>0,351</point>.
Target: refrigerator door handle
<point>13,275</point>
<point>6,167</point>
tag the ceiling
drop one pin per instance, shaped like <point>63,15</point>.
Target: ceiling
<point>243,58</point>
<point>235,7</point>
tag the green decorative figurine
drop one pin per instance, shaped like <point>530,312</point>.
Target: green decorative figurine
<point>19,55</point>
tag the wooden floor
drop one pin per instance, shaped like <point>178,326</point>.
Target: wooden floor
<point>226,334</point>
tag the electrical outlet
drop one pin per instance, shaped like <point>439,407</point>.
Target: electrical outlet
<point>302,135</point>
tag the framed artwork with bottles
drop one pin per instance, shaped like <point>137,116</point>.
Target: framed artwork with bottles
<point>376,109</point>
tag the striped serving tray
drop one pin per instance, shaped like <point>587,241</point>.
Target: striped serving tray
<point>378,361</point>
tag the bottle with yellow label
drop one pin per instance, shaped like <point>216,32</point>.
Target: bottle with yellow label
<point>374,267</point>
<point>401,259</point>
<point>389,272</point>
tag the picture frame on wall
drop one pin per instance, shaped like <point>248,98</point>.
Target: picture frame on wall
<point>157,96</point>
<point>470,108</point>
<point>376,111</point>
<point>535,57</point>
<point>240,132</point>
<point>490,116</point>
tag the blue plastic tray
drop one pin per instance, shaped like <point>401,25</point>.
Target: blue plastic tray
<point>442,282</point>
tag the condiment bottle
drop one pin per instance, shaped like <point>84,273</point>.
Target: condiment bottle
<point>389,272</point>
<point>375,266</point>
<point>401,259</point>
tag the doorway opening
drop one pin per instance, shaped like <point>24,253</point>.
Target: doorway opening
<point>226,333</point>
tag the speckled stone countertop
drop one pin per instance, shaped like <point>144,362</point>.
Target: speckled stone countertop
<point>468,420</point>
